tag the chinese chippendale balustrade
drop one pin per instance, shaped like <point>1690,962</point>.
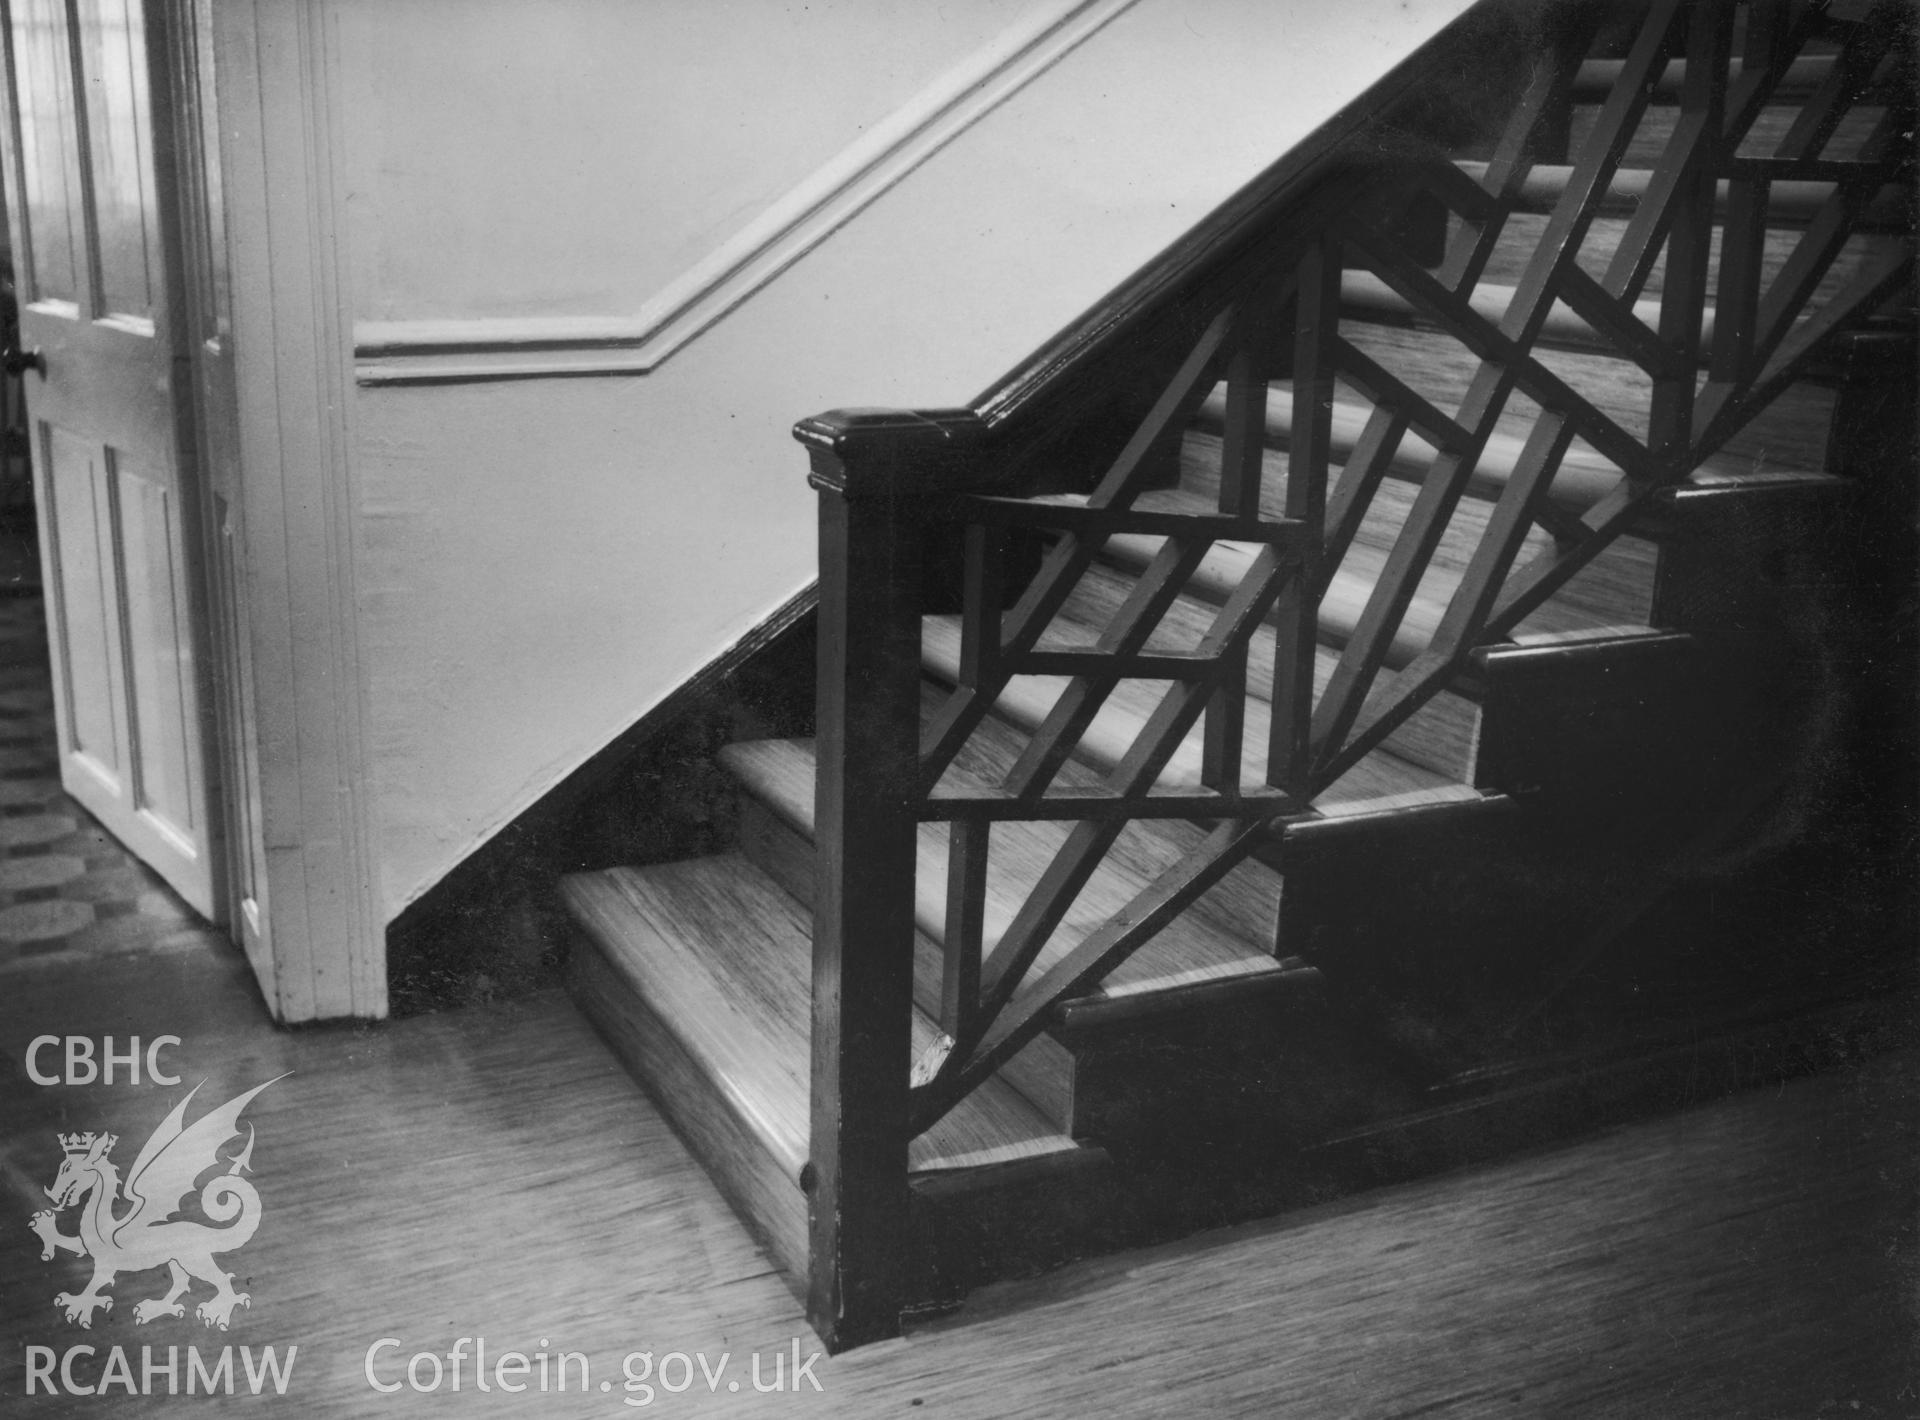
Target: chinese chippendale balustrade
<point>1715,345</point>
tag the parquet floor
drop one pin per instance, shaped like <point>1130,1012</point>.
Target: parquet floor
<point>491,1173</point>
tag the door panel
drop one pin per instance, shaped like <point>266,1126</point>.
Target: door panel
<point>119,127</point>
<point>83,622</point>
<point>119,528</point>
<point>160,638</point>
<point>45,230</point>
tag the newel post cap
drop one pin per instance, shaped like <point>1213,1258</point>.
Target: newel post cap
<point>887,452</point>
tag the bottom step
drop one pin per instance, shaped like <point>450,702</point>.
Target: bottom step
<point>700,977</point>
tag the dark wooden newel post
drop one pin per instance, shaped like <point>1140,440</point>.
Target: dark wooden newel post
<point>872,471</point>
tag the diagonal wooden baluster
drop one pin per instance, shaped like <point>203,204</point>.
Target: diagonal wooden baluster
<point>1105,948</point>
<point>1669,193</point>
<point>1337,745</point>
<point>1782,30</point>
<point>1749,333</point>
<point>992,1010</point>
<point>1876,280</point>
<point>1367,467</point>
<point>1858,58</point>
<point>1729,400</point>
<point>1734,394</point>
<point>1242,462</point>
<point>970,843</point>
<point>1067,561</point>
<point>1002,974</point>
<point>969,849</point>
<point>1743,226</point>
<point>1689,224</point>
<point>1506,531</point>
<point>1297,616</point>
<point>1234,624</point>
<point>1456,315</point>
<point>1059,733</point>
<point>1546,95</point>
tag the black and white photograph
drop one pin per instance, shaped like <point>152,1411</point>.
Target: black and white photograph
<point>974,708</point>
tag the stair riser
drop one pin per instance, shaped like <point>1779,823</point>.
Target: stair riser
<point>1575,724</point>
<point>1566,719</point>
<point>1471,906</point>
<point>754,1182</point>
<point>1750,561</point>
<point>976,1226</point>
<point>1279,1066</point>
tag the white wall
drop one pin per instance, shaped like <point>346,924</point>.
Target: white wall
<point>572,156</point>
<point>540,560</point>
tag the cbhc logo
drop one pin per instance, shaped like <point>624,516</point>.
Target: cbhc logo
<point>83,1068</point>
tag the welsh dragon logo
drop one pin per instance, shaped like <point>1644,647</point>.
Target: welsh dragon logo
<point>147,1235</point>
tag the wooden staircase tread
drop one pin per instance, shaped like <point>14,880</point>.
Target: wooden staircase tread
<point>1790,201</point>
<point>652,929</point>
<point>1787,434</point>
<point>1223,937</point>
<point>1027,699</point>
<point>1583,480</point>
<point>725,956</point>
<point>1101,590</point>
<point>1235,918</point>
<point>1226,564</point>
<point>1763,478</point>
<point>1615,587</point>
<point>1596,78</point>
<point>1521,233</point>
<point>1631,632</point>
<point>1105,585</point>
<point>1368,296</point>
<point>1043,1071</point>
<point>1443,735</point>
<point>1363,293</point>
<point>1584,477</point>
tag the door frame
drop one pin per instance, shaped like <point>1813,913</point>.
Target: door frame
<point>277,76</point>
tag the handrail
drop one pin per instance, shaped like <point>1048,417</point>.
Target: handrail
<point>915,502</point>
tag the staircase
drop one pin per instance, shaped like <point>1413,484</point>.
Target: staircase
<point>1237,729</point>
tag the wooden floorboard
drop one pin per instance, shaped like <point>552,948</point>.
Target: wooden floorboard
<point>493,1172</point>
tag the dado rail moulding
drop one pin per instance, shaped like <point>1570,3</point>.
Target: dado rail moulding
<point>457,351</point>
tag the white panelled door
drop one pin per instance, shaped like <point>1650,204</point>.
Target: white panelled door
<point>116,526</point>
